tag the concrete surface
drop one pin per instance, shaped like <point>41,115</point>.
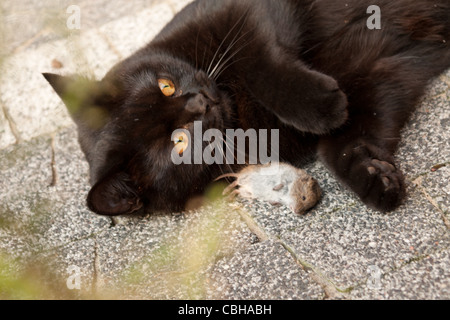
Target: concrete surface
<point>242,250</point>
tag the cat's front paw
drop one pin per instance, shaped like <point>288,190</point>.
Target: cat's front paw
<point>328,111</point>
<point>331,112</point>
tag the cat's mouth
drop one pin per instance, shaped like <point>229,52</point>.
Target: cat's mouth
<point>210,120</point>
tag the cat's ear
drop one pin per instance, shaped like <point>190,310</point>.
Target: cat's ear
<point>60,84</point>
<point>114,195</point>
<point>88,101</point>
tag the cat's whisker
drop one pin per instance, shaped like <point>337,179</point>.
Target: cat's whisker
<point>220,167</point>
<point>392,139</point>
<point>312,48</point>
<point>196,50</point>
<point>226,175</point>
<point>226,67</point>
<point>208,167</point>
<point>220,47</point>
<point>225,38</point>
<point>204,52</point>
<point>232,152</point>
<point>218,68</point>
<point>223,67</point>
<point>233,42</point>
<point>225,158</point>
<point>230,169</point>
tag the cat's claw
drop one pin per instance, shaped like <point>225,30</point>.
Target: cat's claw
<point>233,194</point>
<point>384,170</point>
<point>377,166</point>
<point>387,185</point>
<point>230,188</point>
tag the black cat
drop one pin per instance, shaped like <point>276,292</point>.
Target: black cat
<point>312,69</point>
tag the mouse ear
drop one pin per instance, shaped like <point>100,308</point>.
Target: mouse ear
<point>114,195</point>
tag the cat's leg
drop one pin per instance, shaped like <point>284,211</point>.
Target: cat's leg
<point>305,99</point>
<point>361,154</point>
<point>366,167</point>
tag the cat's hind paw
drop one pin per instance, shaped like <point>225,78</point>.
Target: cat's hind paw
<point>385,185</point>
<point>369,171</point>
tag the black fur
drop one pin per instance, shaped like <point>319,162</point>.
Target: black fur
<point>309,68</point>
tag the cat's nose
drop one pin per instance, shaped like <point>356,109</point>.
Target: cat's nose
<point>198,104</point>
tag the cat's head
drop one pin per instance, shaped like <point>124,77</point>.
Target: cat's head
<point>125,125</point>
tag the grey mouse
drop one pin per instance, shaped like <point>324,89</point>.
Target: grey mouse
<point>276,183</point>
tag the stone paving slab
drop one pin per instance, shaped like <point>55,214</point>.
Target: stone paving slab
<point>424,278</point>
<point>34,211</point>
<point>33,104</point>
<point>42,21</point>
<point>344,245</point>
<point>69,263</point>
<point>255,274</point>
<point>133,32</point>
<point>6,136</point>
<point>169,256</point>
<point>426,139</point>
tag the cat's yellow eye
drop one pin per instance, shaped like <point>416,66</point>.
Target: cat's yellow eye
<point>167,87</point>
<point>181,142</point>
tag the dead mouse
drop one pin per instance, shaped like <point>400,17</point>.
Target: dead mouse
<point>278,184</point>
